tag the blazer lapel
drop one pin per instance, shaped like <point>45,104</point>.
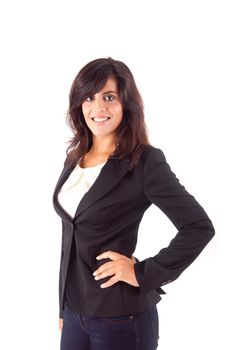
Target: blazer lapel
<point>110,175</point>
<point>63,177</point>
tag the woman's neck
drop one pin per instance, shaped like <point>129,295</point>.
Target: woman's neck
<point>102,146</point>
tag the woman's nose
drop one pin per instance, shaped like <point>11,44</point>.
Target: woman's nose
<point>99,103</point>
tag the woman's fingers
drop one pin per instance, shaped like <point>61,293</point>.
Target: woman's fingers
<point>121,268</point>
<point>60,323</point>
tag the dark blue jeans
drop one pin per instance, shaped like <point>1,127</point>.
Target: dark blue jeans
<point>138,331</point>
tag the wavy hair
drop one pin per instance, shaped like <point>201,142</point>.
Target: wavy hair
<point>131,134</point>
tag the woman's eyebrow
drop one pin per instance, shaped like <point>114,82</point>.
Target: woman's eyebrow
<point>108,92</point>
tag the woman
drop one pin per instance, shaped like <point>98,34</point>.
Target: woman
<point>111,175</point>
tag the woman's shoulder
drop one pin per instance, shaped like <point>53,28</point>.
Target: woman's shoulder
<point>153,153</point>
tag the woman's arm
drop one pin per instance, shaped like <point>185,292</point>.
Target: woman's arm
<point>195,229</point>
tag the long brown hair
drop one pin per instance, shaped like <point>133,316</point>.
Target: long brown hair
<point>131,134</point>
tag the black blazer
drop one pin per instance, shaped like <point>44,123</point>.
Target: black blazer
<point>108,217</point>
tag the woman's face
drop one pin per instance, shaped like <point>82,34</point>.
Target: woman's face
<point>103,111</point>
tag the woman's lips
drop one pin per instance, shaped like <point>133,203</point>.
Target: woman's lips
<point>100,120</point>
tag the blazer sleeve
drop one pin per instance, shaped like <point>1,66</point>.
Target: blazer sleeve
<point>195,229</point>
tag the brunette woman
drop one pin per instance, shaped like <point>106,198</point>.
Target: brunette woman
<point>111,175</point>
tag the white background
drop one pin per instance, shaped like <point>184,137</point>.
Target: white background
<point>180,53</point>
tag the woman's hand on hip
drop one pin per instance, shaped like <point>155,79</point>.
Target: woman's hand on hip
<point>121,268</point>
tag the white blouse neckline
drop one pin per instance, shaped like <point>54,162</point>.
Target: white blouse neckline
<point>76,185</point>
<point>90,167</point>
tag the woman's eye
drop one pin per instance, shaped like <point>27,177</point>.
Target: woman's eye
<point>89,98</point>
<point>109,97</point>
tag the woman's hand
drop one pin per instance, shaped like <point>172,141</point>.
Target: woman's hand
<point>60,323</point>
<point>121,269</point>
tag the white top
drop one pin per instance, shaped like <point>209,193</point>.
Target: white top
<point>76,185</point>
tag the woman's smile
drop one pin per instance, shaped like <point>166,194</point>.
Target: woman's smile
<point>100,120</point>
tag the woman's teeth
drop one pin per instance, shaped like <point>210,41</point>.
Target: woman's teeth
<point>100,119</point>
